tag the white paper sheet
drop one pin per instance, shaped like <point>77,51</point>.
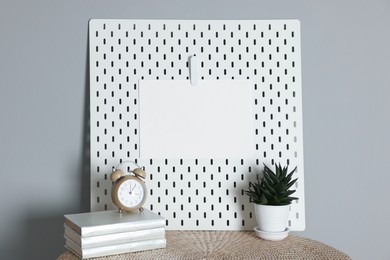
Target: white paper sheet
<point>213,119</point>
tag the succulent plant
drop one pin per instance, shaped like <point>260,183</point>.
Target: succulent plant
<point>273,188</point>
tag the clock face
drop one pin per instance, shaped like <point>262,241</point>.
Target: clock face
<point>131,193</point>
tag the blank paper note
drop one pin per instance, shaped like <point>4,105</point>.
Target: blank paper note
<point>213,119</point>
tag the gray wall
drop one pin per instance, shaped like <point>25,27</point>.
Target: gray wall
<point>44,96</point>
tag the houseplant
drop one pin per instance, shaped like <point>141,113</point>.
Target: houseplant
<point>272,198</point>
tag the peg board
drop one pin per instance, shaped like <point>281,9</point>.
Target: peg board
<point>196,194</point>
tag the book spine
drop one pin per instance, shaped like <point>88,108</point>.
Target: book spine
<point>116,249</point>
<point>123,227</point>
<point>123,237</point>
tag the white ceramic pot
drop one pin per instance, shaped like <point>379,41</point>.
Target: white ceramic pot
<point>272,218</point>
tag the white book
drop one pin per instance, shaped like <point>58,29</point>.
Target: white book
<point>109,222</point>
<point>116,238</point>
<point>115,249</point>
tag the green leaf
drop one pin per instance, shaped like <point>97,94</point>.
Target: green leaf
<point>270,188</point>
<point>269,179</point>
<point>266,192</point>
<point>289,192</point>
<point>277,171</point>
<point>295,169</point>
<point>289,176</point>
<point>291,183</point>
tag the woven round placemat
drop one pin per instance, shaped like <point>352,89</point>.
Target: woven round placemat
<point>230,245</point>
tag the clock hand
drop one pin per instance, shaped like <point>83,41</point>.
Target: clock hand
<point>133,188</point>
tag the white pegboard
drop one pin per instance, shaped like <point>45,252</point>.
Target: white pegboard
<point>205,194</point>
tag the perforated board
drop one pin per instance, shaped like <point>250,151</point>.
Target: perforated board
<point>204,194</point>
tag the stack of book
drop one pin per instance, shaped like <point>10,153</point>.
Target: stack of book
<point>105,233</point>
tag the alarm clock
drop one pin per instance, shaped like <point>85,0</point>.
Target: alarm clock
<point>129,190</point>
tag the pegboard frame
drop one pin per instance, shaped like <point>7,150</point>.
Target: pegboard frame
<point>196,193</point>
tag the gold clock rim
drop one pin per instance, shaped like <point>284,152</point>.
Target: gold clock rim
<point>115,198</point>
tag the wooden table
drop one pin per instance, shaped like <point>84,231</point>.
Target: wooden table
<point>230,245</point>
